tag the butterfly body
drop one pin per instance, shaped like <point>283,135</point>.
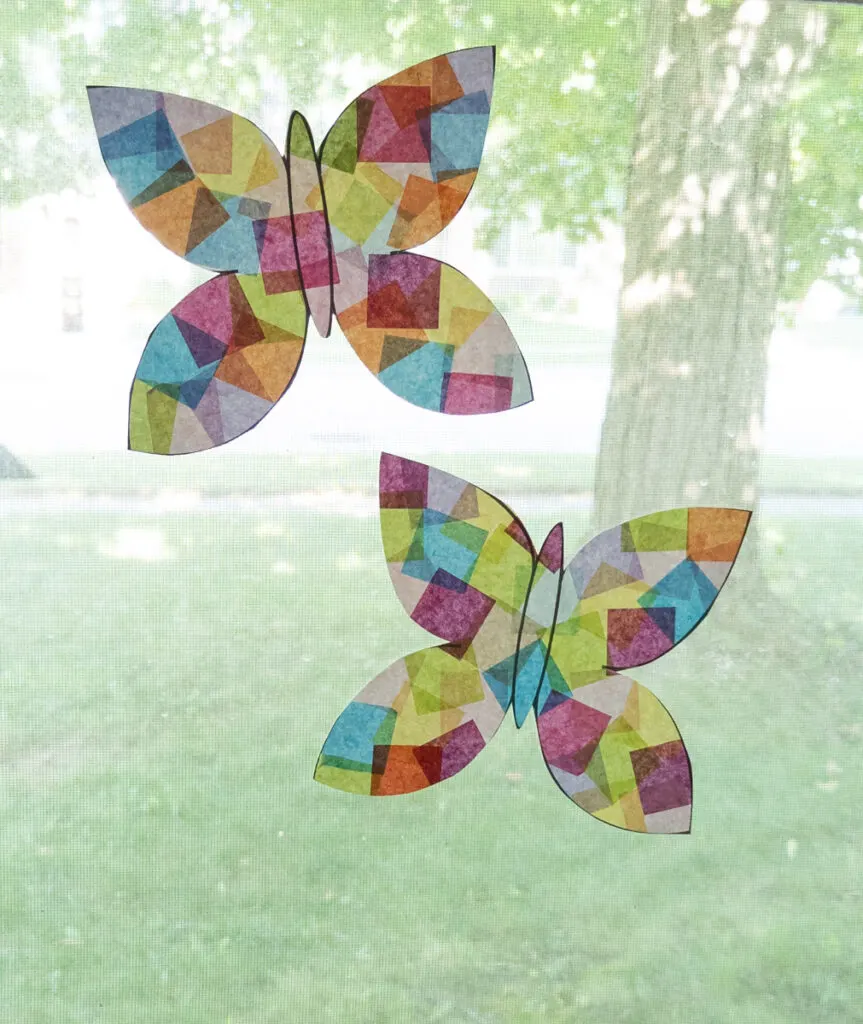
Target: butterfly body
<point>524,630</point>
<point>309,223</point>
<point>536,632</point>
<point>312,234</point>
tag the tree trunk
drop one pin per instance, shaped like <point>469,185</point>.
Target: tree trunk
<point>708,190</point>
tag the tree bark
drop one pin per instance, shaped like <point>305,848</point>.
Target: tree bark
<point>708,190</point>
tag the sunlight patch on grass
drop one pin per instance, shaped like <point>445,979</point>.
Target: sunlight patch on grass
<point>351,562</point>
<point>171,500</point>
<point>339,503</point>
<point>269,529</point>
<point>137,545</point>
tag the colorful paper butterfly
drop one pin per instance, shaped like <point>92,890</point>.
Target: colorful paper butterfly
<point>312,234</point>
<point>522,631</point>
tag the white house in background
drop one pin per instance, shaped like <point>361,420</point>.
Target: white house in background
<point>72,262</point>
<point>554,280</point>
<point>82,285</point>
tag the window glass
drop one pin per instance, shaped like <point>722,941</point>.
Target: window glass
<point>668,213</point>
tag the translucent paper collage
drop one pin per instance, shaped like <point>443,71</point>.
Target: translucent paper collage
<point>524,630</point>
<point>322,234</point>
<point>310,235</point>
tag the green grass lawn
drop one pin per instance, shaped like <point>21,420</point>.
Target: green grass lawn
<point>167,681</point>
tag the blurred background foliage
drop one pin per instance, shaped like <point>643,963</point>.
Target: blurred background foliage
<point>181,633</point>
<point>564,114</point>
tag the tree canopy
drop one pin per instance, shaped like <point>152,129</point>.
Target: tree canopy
<point>565,96</point>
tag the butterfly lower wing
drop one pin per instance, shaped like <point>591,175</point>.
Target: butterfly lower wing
<point>207,183</point>
<point>430,335</point>
<point>216,365</point>
<point>614,750</point>
<point>400,160</point>
<point>419,722</point>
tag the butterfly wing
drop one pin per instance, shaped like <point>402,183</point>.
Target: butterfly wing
<point>400,160</point>
<point>461,564</point>
<point>638,589</point>
<point>216,365</point>
<point>397,166</point>
<point>201,179</point>
<point>615,751</point>
<point>429,334</point>
<point>630,595</point>
<point>419,722</point>
<point>212,188</point>
<point>459,559</point>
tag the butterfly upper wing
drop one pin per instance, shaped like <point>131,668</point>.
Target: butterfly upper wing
<point>636,590</point>
<point>459,559</point>
<point>396,168</point>
<point>400,160</point>
<point>461,564</point>
<point>630,595</point>
<point>203,180</point>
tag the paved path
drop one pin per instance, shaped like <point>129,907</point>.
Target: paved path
<point>72,395</point>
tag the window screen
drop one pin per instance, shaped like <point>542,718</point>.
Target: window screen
<point>668,213</point>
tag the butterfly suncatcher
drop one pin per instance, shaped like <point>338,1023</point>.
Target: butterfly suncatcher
<point>311,234</point>
<point>523,631</point>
